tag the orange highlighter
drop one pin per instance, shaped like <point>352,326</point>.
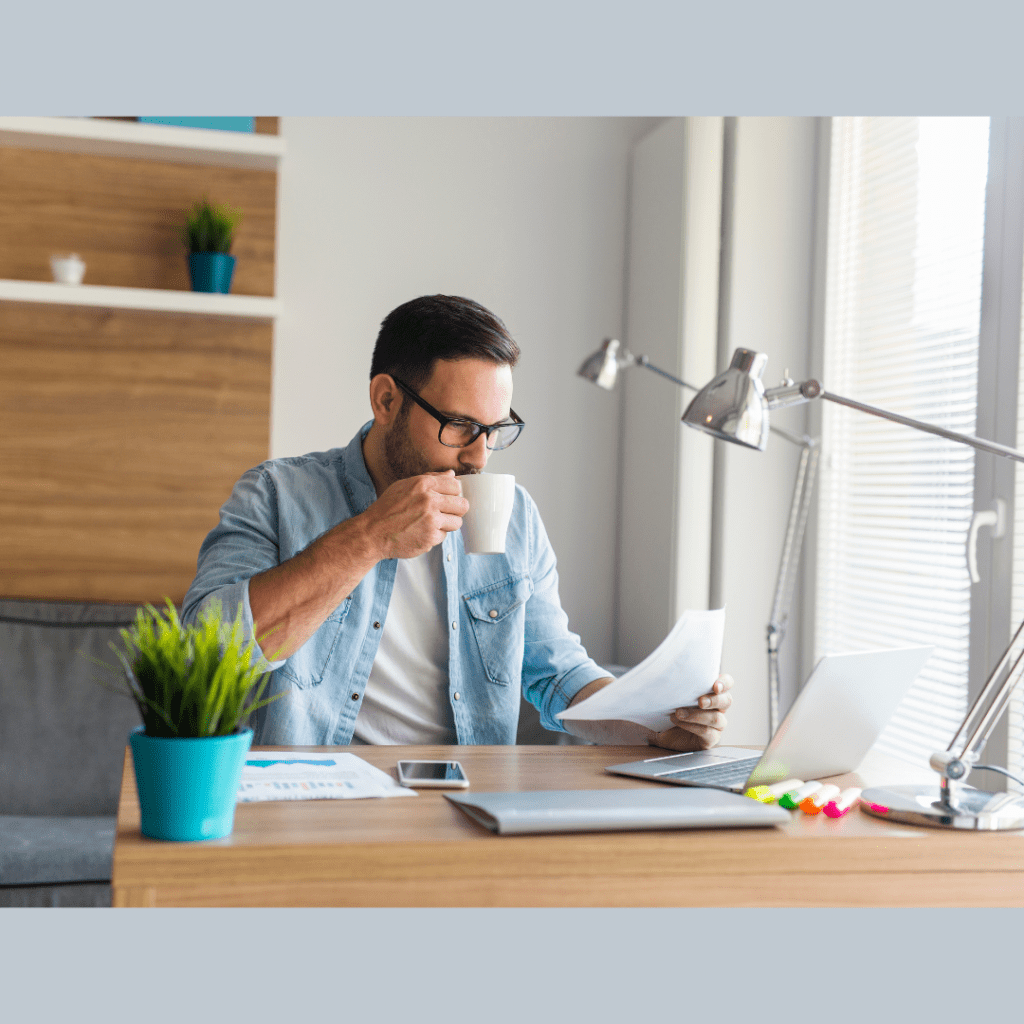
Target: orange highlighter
<point>817,800</point>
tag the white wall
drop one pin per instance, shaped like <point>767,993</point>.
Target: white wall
<point>672,318</point>
<point>769,311</point>
<point>527,216</point>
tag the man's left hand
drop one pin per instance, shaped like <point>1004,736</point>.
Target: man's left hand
<point>700,727</point>
<point>696,728</point>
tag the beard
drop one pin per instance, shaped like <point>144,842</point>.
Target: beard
<point>404,459</point>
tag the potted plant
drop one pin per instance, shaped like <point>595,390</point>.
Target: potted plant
<point>195,687</point>
<point>208,234</point>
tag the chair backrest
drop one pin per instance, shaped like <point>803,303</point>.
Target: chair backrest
<point>62,733</point>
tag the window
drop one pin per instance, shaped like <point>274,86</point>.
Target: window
<point>902,315</point>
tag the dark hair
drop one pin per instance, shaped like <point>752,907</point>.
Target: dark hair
<point>418,333</point>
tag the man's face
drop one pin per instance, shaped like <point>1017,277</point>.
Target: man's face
<point>469,388</point>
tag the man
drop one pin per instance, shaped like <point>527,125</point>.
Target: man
<point>349,568</point>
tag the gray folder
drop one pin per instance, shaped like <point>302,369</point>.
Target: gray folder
<point>610,810</point>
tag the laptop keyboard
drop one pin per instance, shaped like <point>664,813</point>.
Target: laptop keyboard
<point>731,773</point>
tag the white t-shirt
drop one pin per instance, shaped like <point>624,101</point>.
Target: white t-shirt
<point>406,696</point>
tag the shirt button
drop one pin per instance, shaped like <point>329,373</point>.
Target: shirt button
<point>449,558</point>
<point>456,696</point>
<point>455,625</point>
<point>493,614</point>
<point>355,696</point>
<point>376,625</point>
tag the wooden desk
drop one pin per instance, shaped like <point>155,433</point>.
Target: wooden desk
<point>423,852</point>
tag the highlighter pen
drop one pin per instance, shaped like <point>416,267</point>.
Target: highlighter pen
<point>791,800</point>
<point>842,803</point>
<point>814,803</point>
<point>769,794</point>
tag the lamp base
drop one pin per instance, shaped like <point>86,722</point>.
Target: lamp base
<point>921,805</point>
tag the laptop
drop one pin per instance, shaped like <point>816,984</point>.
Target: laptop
<point>838,715</point>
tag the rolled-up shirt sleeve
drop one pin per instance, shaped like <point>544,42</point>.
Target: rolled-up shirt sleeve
<point>243,544</point>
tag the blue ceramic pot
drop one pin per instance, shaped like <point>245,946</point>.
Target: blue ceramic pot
<point>211,271</point>
<point>187,787</point>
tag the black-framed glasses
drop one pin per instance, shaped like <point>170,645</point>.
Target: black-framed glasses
<point>457,432</point>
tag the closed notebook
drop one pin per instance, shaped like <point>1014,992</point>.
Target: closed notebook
<point>610,810</point>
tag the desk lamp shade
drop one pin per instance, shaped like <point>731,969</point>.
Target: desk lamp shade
<point>602,368</point>
<point>733,407</point>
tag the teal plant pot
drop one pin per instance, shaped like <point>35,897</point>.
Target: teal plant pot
<point>211,271</point>
<point>188,787</point>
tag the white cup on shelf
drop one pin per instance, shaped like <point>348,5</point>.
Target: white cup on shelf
<point>68,268</point>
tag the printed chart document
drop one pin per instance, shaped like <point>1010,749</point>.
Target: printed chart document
<point>684,666</point>
<point>282,775</point>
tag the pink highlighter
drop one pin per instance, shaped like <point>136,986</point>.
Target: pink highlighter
<point>842,803</point>
<point>817,800</point>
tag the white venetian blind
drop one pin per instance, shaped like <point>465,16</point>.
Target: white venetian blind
<point>1015,759</point>
<point>906,231</point>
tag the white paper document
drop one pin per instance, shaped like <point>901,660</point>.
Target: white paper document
<point>684,666</point>
<point>283,775</point>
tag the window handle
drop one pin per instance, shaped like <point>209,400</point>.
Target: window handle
<point>995,518</point>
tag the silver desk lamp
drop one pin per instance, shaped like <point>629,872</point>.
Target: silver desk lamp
<point>602,368</point>
<point>735,407</point>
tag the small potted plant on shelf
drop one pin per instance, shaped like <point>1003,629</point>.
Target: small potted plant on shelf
<point>208,234</point>
<point>195,687</point>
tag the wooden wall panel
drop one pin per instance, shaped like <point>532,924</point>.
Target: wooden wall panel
<point>122,217</point>
<point>121,434</point>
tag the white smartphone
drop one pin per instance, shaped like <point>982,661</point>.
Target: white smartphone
<point>432,774</point>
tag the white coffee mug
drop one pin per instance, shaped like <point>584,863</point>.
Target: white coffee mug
<point>490,497</point>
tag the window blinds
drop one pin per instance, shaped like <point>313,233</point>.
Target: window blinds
<point>1015,739</point>
<point>902,309</point>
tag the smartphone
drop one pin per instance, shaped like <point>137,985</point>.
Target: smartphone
<point>432,774</point>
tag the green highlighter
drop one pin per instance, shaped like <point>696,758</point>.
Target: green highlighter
<point>791,800</point>
<point>769,794</point>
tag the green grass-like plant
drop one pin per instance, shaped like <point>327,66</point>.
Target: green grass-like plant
<point>191,681</point>
<point>209,227</point>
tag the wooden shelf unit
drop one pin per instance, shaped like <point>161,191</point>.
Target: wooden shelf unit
<point>129,405</point>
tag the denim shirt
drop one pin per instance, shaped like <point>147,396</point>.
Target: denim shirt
<point>506,626</point>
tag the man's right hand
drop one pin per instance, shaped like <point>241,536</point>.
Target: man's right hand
<point>290,601</point>
<point>413,515</point>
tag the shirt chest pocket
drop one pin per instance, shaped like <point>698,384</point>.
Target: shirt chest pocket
<point>308,665</point>
<point>498,618</point>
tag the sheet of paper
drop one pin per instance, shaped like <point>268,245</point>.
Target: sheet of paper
<point>282,775</point>
<point>684,666</point>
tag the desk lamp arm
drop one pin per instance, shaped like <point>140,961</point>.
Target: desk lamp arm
<point>798,512</point>
<point>736,407</point>
<point>603,367</point>
<point>799,508</point>
<point>797,394</point>
<point>955,763</point>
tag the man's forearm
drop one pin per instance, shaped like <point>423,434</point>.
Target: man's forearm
<point>291,601</point>
<point>604,731</point>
